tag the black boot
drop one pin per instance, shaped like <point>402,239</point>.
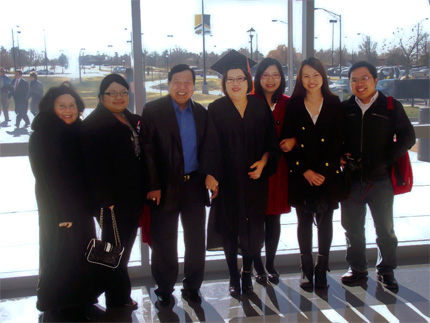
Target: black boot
<point>321,269</point>
<point>247,287</point>
<point>307,271</point>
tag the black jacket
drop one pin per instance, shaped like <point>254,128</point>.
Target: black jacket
<point>370,137</point>
<point>163,148</point>
<point>113,170</point>
<point>318,148</point>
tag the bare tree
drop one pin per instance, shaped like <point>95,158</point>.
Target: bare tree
<point>369,49</point>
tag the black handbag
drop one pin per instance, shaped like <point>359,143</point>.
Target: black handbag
<point>102,252</point>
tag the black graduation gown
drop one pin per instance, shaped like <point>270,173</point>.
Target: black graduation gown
<point>233,145</point>
<point>64,276</point>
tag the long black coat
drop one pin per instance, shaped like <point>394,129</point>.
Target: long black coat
<point>318,148</point>
<point>113,170</point>
<point>163,148</point>
<point>234,144</point>
<point>20,95</point>
<point>61,195</point>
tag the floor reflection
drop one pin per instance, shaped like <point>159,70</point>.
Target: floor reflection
<point>369,301</point>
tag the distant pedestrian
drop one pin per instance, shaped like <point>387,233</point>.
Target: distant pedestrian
<point>35,94</point>
<point>5,96</point>
<point>20,96</point>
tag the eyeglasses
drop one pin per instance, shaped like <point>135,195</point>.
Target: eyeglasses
<point>275,76</point>
<point>239,79</point>
<point>361,79</point>
<point>114,94</point>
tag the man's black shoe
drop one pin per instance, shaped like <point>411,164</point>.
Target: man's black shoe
<point>191,295</point>
<point>388,281</point>
<point>353,276</point>
<point>163,299</point>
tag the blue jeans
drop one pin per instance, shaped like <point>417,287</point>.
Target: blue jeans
<point>379,196</point>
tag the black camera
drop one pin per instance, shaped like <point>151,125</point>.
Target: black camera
<point>352,164</point>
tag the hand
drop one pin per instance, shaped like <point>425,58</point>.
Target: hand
<point>343,161</point>
<point>288,144</point>
<point>313,178</point>
<point>154,196</point>
<point>259,166</point>
<point>212,185</point>
<point>68,225</point>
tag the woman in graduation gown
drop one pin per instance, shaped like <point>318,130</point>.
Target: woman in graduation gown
<point>240,154</point>
<point>314,117</point>
<point>65,222</point>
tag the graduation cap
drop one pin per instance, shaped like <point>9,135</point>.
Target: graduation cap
<point>233,59</point>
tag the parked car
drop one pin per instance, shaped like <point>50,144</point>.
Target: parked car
<point>44,72</point>
<point>385,72</point>
<point>423,73</point>
<point>341,88</point>
<point>386,87</point>
<point>119,69</point>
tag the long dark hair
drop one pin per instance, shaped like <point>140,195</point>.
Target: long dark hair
<point>264,64</point>
<point>299,89</point>
<point>48,100</point>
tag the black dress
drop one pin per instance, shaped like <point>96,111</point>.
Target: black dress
<point>114,172</point>
<point>64,276</point>
<point>233,145</point>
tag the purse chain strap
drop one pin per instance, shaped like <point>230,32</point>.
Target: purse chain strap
<point>114,226</point>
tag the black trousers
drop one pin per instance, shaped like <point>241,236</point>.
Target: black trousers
<point>164,239</point>
<point>116,282</point>
<point>305,220</point>
<point>21,114</point>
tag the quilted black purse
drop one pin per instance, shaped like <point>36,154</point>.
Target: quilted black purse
<point>102,252</point>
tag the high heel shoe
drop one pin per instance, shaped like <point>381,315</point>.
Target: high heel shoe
<point>247,287</point>
<point>273,277</point>
<point>261,279</point>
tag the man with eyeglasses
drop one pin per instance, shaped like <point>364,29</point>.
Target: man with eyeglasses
<point>173,131</point>
<point>370,151</point>
<point>5,96</point>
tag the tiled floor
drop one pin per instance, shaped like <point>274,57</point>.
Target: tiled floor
<point>369,302</point>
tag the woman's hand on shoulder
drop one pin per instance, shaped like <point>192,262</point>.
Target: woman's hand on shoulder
<point>154,196</point>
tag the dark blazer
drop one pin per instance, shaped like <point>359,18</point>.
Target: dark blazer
<point>113,170</point>
<point>163,148</point>
<point>20,95</point>
<point>318,148</point>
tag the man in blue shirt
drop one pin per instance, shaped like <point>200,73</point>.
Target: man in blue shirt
<point>6,94</point>
<point>172,134</point>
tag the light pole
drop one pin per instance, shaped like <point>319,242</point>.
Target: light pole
<point>46,54</point>
<point>418,36</point>
<point>81,54</point>
<point>205,88</point>
<point>111,59</point>
<point>169,55</point>
<point>332,21</point>
<point>290,50</point>
<point>339,17</point>
<point>251,32</point>
<point>17,43</point>
<point>13,52</point>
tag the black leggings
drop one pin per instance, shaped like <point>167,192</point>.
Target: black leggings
<point>305,220</point>
<point>231,246</point>
<point>271,239</point>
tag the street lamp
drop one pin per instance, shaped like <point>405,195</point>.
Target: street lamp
<point>169,56</point>
<point>81,54</point>
<point>339,17</point>
<point>205,87</point>
<point>290,53</point>
<point>332,21</point>
<point>251,35</point>
<point>111,59</point>
<point>46,54</point>
<point>17,42</point>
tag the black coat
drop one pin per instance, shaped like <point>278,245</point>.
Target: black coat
<point>234,144</point>
<point>61,196</point>
<point>113,170</point>
<point>163,148</point>
<point>370,137</point>
<point>318,148</point>
<point>20,95</point>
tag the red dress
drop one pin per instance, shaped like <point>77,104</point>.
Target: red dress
<point>278,183</point>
